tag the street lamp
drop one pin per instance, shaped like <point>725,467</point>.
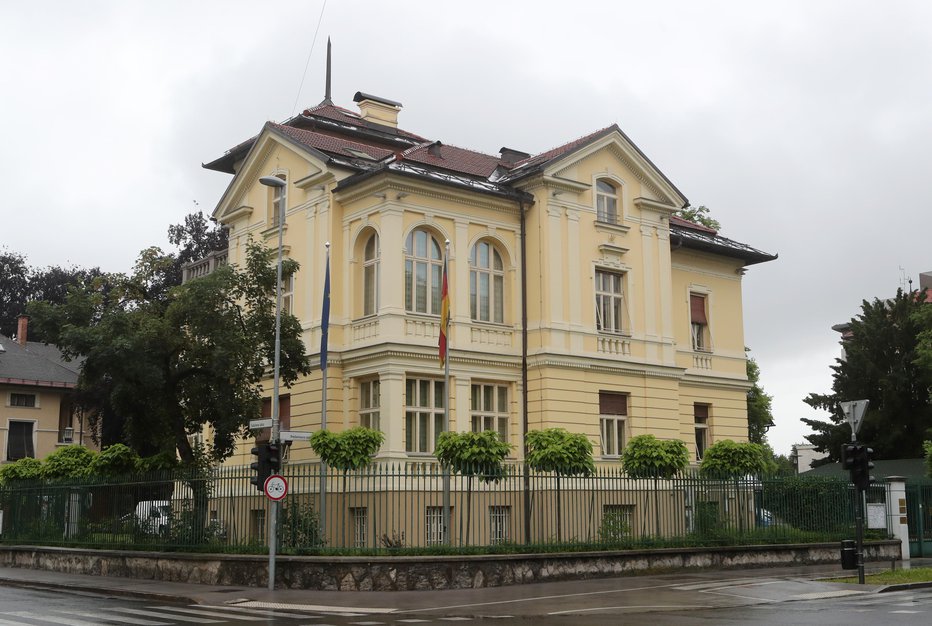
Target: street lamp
<point>276,183</point>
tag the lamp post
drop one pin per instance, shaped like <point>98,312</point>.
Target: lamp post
<point>278,184</point>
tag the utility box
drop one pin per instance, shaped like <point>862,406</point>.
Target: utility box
<point>849,554</point>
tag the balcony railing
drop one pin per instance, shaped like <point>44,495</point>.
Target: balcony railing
<point>203,267</point>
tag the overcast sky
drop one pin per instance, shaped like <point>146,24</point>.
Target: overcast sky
<point>805,126</point>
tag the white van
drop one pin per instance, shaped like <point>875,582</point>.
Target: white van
<point>154,516</point>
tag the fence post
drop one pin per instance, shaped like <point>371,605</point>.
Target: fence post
<point>896,512</point>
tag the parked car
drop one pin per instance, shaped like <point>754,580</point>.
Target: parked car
<point>152,516</point>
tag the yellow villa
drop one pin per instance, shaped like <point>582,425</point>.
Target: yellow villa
<point>578,299</point>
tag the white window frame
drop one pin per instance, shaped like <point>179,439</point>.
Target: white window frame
<point>700,334</point>
<point>370,398</point>
<point>607,202</point>
<point>370,275</point>
<point>615,305</point>
<point>288,294</point>
<point>360,517</point>
<point>434,525</point>
<point>278,201</point>
<point>489,408</point>
<point>701,429</point>
<point>486,283</point>
<point>499,523</point>
<point>613,434</point>
<point>424,258</point>
<point>424,403</point>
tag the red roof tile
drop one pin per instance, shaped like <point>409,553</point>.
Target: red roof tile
<point>560,150</point>
<point>345,116</point>
<point>679,221</point>
<point>454,159</point>
<point>331,144</point>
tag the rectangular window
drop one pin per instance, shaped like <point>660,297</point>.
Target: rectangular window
<point>369,401</point>
<point>613,410</point>
<point>617,522</point>
<point>23,399</point>
<point>699,322</point>
<point>288,295</point>
<point>284,416</point>
<point>701,417</point>
<point>257,529</point>
<point>499,523</point>
<point>20,440</point>
<point>278,203</point>
<point>360,517</point>
<point>424,402</point>
<point>609,302</point>
<point>489,409</point>
<point>434,525</point>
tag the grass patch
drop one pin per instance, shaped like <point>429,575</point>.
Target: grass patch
<point>894,577</point>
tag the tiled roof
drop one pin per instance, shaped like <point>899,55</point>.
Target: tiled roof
<point>696,237</point>
<point>676,220</point>
<point>345,116</point>
<point>333,145</point>
<point>35,364</point>
<point>452,158</point>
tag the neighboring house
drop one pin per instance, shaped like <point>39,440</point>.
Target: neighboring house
<point>36,385</point>
<point>577,298</point>
<point>804,455</point>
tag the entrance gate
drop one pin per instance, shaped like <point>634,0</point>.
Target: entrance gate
<point>919,518</point>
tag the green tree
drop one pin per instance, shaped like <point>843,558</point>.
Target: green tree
<point>195,238</point>
<point>760,413</point>
<point>347,451</point>
<point>68,462</point>
<point>698,215</point>
<point>645,456</point>
<point>561,452</point>
<point>729,459</point>
<point>885,364</point>
<point>927,449</point>
<point>479,454</point>
<point>26,468</point>
<point>14,282</point>
<point>116,460</point>
<point>170,362</point>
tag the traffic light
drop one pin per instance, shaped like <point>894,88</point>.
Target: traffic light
<point>863,465</point>
<point>848,457</point>
<point>261,466</point>
<point>275,457</point>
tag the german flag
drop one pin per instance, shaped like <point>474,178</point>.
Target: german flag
<point>444,314</point>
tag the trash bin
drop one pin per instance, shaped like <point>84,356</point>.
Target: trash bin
<point>849,554</point>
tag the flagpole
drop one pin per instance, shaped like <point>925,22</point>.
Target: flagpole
<point>445,330</point>
<point>324,346</point>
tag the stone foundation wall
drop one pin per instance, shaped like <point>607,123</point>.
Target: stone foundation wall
<point>418,573</point>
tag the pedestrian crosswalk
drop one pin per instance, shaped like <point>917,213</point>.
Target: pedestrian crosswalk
<point>146,614</point>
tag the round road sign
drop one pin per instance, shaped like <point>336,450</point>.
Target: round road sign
<point>276,487</point>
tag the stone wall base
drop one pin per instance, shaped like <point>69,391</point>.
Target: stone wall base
<point>418,573</point>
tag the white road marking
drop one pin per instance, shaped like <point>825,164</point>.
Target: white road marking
<point>122,619</point>
<point>180,618</point>
<point>264,612</point>
<point>337,610</point>
<point>203,613</point>
<point>9,622</point>
<point>52,618</point>
<point>631,606</point>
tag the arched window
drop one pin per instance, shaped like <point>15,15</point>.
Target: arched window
<point>486,284</point>
<point>606,202</point>
<point>423,273</point>
<point>370,276</point>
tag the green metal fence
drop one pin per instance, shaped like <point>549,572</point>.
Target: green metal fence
<point>400,507</point>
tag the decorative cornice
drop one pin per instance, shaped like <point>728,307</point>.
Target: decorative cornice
<point>387,182</point>
<point>664,208</point>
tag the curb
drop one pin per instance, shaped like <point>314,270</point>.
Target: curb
<point>131,593</point>
<point>905,587</point>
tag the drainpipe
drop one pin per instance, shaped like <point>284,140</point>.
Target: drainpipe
<point>524,393</point>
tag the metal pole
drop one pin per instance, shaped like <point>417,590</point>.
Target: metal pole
<point>323,426</point>
<point>446,406</point>
<point>860,534</point>
<point>276,429</point>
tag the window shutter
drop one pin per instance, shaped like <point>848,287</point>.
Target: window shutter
<point>697,309</point>
<point>701,413</point>
<point>613,403</point>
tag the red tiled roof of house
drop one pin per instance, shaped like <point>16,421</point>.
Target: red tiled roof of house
<point>345,116</point>
<point>331,144</point>
<point>452,158</point>
<point>679,221</point>
<point>559,151</point>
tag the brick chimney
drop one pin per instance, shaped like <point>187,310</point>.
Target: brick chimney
<point>22,329</point>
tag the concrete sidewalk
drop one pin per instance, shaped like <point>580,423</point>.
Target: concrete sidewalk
<point>687,588</point>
